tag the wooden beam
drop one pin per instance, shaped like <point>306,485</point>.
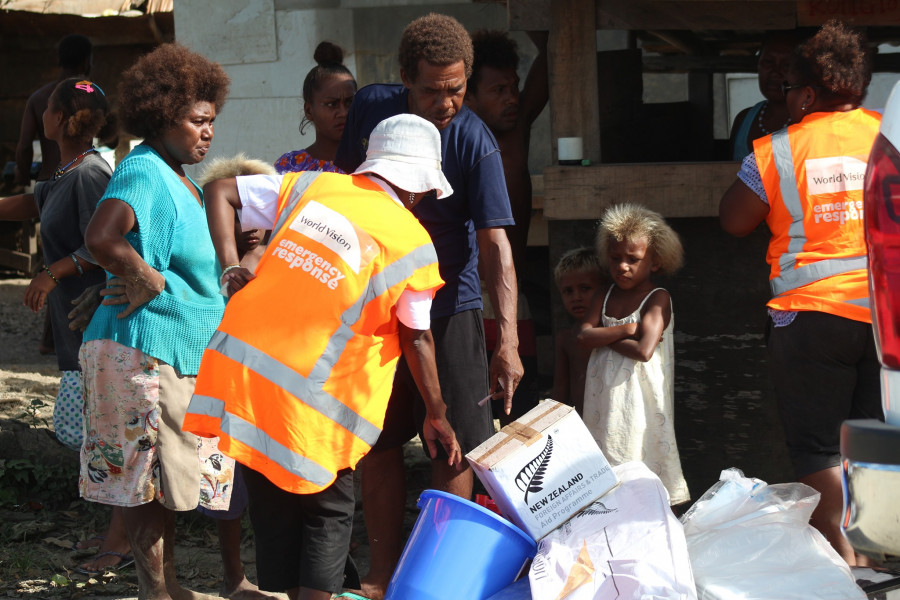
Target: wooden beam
<point>672,189</point>
<point>882,63</point>
<point>697,14</point>
<point>701,64</point>
<point>528,15</point>
<point>813,13</point>
<point>723,15</point>
<point>685,42</point>
<point>18,261</point>
<point>572,54</point>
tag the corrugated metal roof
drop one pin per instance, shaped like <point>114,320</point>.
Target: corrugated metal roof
<point>89,7</point>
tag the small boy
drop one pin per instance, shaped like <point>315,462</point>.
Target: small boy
<point>579,276</point>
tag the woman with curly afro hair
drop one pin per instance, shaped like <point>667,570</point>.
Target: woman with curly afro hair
<point>806,183</point>
<point>142,348</point>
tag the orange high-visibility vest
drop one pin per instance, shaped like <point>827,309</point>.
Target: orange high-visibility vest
<point>813,174</point>
<point>295,381</point>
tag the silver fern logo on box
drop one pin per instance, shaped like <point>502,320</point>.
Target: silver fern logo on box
<point>597,508</point>
<point>531,478</point>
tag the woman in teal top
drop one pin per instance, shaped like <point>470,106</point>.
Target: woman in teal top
<point>161,304</point>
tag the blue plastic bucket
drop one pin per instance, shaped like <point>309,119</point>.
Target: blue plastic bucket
<point>458,551</point>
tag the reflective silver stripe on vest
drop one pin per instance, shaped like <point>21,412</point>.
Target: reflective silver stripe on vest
<point>301,184</point>
<point>309,389</point>
<point>248,434</point>
<point>790,196</point>
<point>813,272</point>
<point>295,384</point>
<point>400,270</point>
<point>864,302</point>
<point>791,276</point>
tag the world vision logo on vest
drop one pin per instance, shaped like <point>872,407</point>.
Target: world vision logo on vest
<point>326,227</point>
<point>337,233</point>
<point>827,176</point>
<point>834,174</point>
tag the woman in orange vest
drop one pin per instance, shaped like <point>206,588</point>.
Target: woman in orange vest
<point>806,183</point>
<point>295,381</point>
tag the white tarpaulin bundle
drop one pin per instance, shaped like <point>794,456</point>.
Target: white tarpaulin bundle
<point>752,541</point>
<point>627,544</point>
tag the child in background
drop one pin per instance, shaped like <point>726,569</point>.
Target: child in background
<point>629,390</point>
<point>578,276</point>
<point>226,506</point>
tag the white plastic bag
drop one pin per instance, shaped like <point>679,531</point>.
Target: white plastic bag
<point>752,541</point>
<point>626,545</point>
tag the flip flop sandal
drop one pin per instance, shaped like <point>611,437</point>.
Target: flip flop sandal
<point>349,595</point>
<point>125,560</point>
<point>99,538</point>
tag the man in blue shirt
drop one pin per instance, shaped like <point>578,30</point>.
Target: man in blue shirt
<point>467,229</point>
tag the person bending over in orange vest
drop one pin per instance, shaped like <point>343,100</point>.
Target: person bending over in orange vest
<point>295,382</point>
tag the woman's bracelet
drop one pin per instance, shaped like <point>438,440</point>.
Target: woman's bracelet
<point>229,268</point>
<point>50,273</point>
<point>77,264</point>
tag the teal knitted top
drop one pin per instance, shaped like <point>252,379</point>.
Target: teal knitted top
<point>172,235</point>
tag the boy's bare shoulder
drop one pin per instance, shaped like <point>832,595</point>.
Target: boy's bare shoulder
<point>566,338</point>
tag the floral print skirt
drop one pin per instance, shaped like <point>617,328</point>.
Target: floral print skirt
<point>134,451</point>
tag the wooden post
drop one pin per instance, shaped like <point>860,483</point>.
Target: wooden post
<point>572,54</point>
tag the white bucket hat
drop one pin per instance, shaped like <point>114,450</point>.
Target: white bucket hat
<point>406,151</point>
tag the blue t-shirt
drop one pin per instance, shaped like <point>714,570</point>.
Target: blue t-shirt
<point>471,163</point>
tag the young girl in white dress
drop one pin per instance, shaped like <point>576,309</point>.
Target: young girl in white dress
<point>629,389</point>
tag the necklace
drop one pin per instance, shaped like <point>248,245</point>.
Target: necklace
<point>759,119</point>
<point>60,171</point>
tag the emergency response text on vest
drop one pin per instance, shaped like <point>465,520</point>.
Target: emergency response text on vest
<point>838,212</point>
<point>299,257</point>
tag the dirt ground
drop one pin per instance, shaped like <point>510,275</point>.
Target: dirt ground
<point>41,516</point>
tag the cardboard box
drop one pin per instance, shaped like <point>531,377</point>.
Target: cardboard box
<point>543,468</point>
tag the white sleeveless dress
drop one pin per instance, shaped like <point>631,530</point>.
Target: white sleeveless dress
<point>629,406</point>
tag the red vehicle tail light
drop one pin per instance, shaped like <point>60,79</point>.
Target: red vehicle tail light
<point>882,216</point>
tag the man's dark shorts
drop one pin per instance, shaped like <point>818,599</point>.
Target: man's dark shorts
<point>463,373</point>
<point>825,370</point>
<point>302,540</point>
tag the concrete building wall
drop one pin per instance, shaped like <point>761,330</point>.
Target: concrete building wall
<point>266,46</point>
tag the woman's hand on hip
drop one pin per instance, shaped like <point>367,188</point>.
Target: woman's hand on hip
<point>135,292</point>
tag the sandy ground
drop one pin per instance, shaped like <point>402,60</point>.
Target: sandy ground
<point>39,528</point>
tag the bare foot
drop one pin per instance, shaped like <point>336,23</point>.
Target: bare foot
<point>373,591</point>
<point>247,591</point>
<point>92,542</point>
<point>181,593</point>
<point>105,561</point>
